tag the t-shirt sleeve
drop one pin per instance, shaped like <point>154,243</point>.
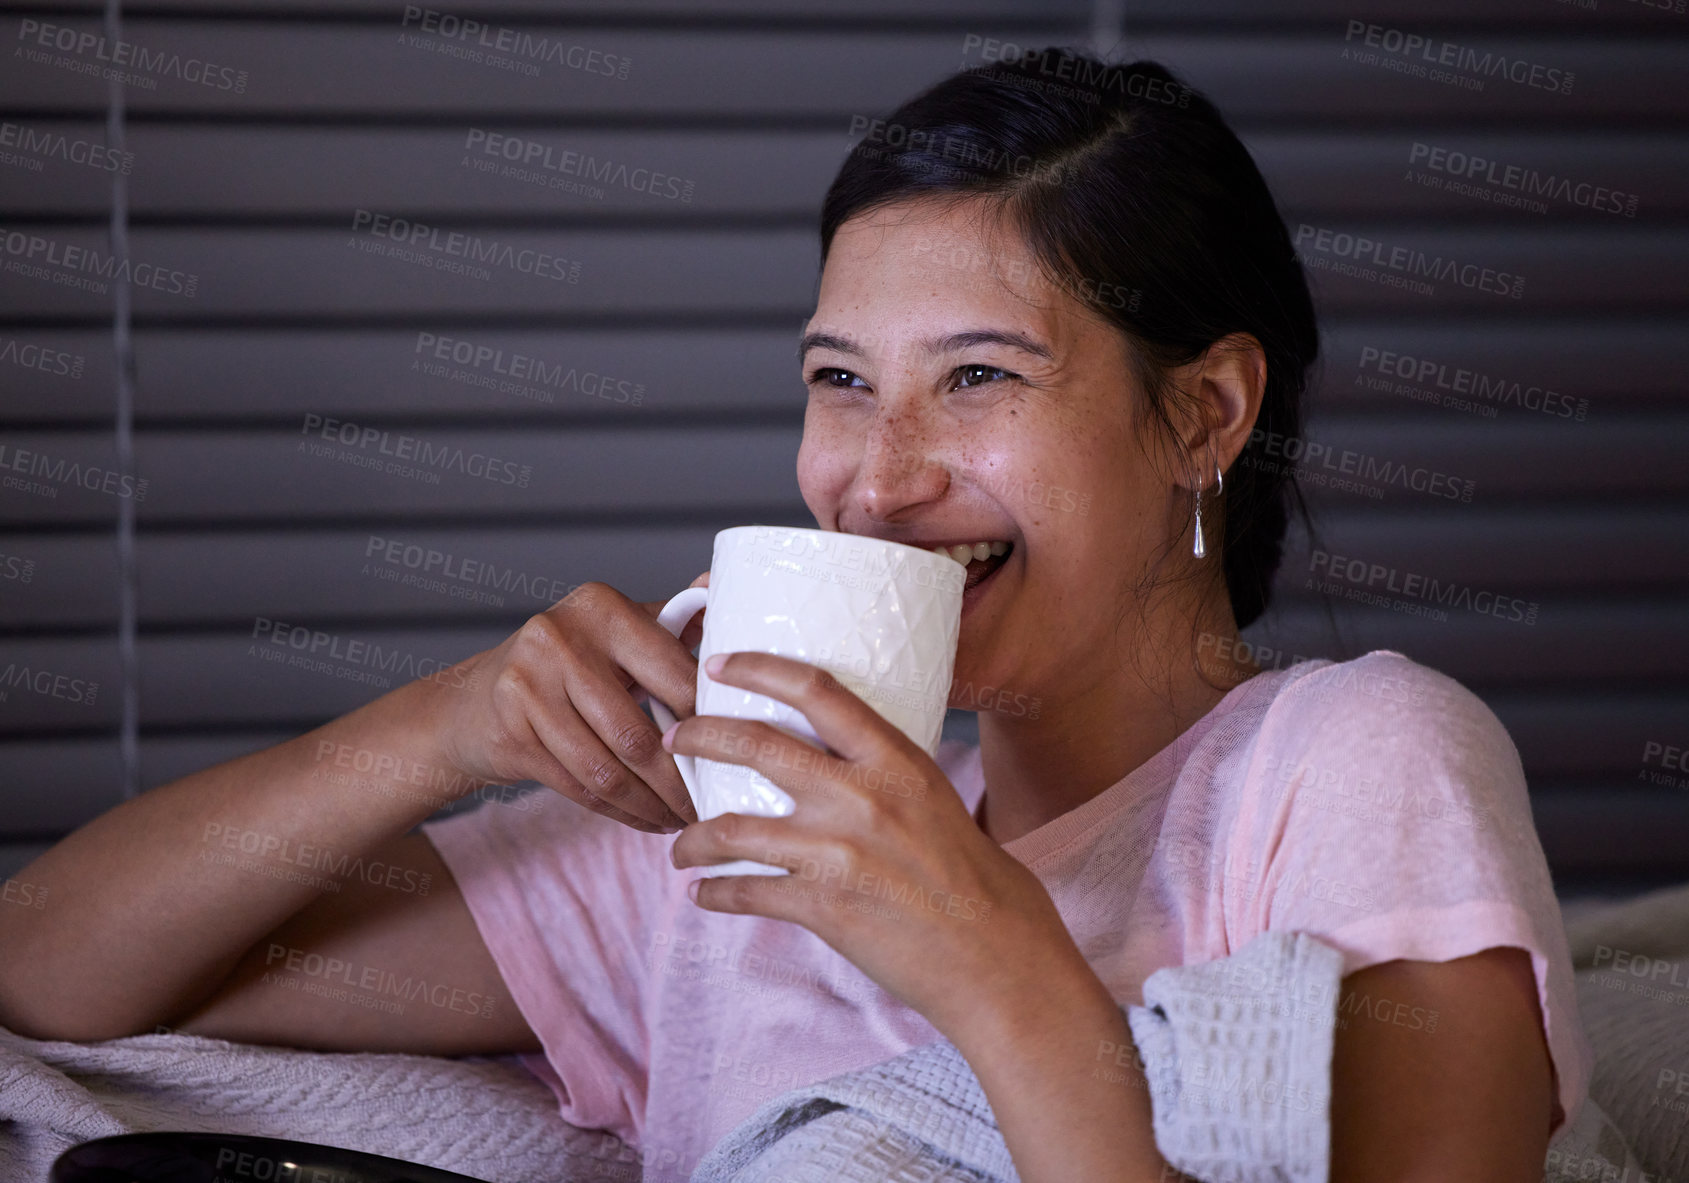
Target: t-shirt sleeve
<point>561,897</point>
<point>1386,813</point>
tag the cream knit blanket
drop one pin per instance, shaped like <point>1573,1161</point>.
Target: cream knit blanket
<point>487,1118</point>
<point>1237,1056</point>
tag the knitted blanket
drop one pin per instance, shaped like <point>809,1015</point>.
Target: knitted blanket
<point>486,1118</point>
<point>1236,1054</point>
<point>1237,1060</point>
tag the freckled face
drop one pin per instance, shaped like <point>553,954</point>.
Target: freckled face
<point>961,397</point>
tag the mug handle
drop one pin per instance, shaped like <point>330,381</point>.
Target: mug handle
<point>674,617</point>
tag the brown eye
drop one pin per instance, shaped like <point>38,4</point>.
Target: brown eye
<point>979,375</point>
<point>832,376</point>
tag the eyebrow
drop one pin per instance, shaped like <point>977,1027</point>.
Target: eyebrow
<point>952,343</point>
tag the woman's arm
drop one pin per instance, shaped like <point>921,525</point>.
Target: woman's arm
<point>151,906</point>
<point>1463,1098</point>
<point>1466,1102</point>
<point>1057,1063</point>
<point>153,903</point>
<point>372,969</point>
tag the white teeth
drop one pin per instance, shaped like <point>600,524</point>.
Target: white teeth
<point>978,551</point>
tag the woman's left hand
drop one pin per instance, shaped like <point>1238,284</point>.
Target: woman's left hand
<point>885,864</point>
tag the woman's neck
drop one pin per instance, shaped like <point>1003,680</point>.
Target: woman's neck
<point>1098,730</point>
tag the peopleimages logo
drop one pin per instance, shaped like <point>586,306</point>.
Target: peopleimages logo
<point>315,650</point>
<point>16,567</point>
<point>24,895</point>
<point>452,249</point>
<point>377,981</point>
<point>1424,56</point>
<point>1285,453</point>
<point>1093,76</point>
<point>1515,185</point>
<point>537,155</point>
<point>424,457</point>
<point>159,63</point>
<point>1410,267</point>
<point>47,684</point>
<point>478,38</point>
<point>1370,580</point>
<point>1436,377</point>
<point>340,864</point>
<point>1648,972</point>
<point>746,970</point>
<point>515,373</point>
<point>36,357</point>
<point>68,265</point>
<point>414,565</point>
<point>266,1169</point>
<point>881,140</point>
<point>64,472</point>
<point>57,146</point>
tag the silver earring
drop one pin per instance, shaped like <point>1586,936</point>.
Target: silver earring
<point>1198,549</point>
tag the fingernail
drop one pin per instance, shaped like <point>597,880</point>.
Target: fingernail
<point>712,667</point>
<point>692,890</point>
<point>668,737</point>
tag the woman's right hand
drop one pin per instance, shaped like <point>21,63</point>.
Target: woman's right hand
<point>555,703</point>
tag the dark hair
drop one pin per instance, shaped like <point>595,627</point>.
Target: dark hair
<point>1125,183</point>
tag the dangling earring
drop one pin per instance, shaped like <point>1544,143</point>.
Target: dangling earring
<point>1198,549</point>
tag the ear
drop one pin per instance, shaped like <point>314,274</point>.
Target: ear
<point>1223,391</point>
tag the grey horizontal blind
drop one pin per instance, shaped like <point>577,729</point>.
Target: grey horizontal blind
<point>658,308</point>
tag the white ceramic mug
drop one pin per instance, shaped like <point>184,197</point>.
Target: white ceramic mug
<point>880,616</point>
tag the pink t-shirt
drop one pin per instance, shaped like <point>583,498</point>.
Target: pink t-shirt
<point>1374,803</point>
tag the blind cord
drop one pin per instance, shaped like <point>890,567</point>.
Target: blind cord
<point>124,360</point>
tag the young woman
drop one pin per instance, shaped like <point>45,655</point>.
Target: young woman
<point>1057,309</point>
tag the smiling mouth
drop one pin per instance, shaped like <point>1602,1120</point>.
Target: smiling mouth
<point>979,569</point>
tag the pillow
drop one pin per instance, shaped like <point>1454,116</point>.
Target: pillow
<point>1633,996</point>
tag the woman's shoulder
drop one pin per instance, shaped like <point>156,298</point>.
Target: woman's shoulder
<point>1379,688</point>
<point>1385,727</point>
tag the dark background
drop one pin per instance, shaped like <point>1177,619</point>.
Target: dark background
<point>754,104</point>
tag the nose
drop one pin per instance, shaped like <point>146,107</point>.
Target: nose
<point>899,468</point>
